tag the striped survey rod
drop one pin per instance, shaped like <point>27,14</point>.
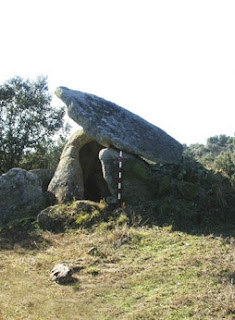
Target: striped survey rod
<point>119,194</point>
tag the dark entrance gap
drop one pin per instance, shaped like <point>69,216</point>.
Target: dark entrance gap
<point>95,187</point>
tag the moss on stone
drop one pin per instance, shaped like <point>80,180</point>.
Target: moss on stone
<point>187,190</point>
<point>134,169</point>
<point>164,186</point>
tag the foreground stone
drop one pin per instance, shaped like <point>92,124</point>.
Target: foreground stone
<point>20,195</point>
<point>61,273</point>
<point>111,125</point>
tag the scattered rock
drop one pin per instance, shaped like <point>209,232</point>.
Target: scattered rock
<point>21,195</point>
<point>111,125</point>
<point>55,219</point>
<point>92,251</point>
<point>123,240</point>
<point>61,273</point>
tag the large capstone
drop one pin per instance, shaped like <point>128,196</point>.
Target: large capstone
<point>20,195</point>
<point>111,125</point>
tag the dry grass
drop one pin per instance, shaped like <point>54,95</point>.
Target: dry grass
<point>133,273</point>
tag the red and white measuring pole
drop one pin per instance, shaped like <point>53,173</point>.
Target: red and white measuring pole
<point>119,194</point>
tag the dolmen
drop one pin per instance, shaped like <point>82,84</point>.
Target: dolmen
<point>88,167</point>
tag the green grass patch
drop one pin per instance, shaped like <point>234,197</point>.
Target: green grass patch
<point>124,273</point>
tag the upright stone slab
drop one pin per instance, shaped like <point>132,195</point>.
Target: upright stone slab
<point>111,125</point>
<point>67,182</point>
<point>139,182</point>
<point>78,174</point>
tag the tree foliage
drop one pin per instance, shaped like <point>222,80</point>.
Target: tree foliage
<point>217,155</point>
<point>27,120</point>
<point>46,156</point>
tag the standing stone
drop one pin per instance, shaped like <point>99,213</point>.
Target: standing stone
<point>111,125</point>
<point>79,173</point>
<point>139,182</point>
<point>67,182</point>
<point>20,195</point>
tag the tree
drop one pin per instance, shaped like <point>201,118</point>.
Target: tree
<point>46,156</point>
<point>218,155</point>
<point>225,163</point>
<point>27,119</point>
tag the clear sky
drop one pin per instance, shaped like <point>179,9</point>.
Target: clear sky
<point>170,61</point>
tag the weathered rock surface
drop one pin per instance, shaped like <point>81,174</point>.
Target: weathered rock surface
<point>79,174</point>
<point>68,178</point>
<point>111,125</point>
<point>20,194</point>
<point>138,180</point>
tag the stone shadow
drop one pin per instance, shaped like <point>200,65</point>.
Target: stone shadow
<point>95,187</point>
<point>191,199</point>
